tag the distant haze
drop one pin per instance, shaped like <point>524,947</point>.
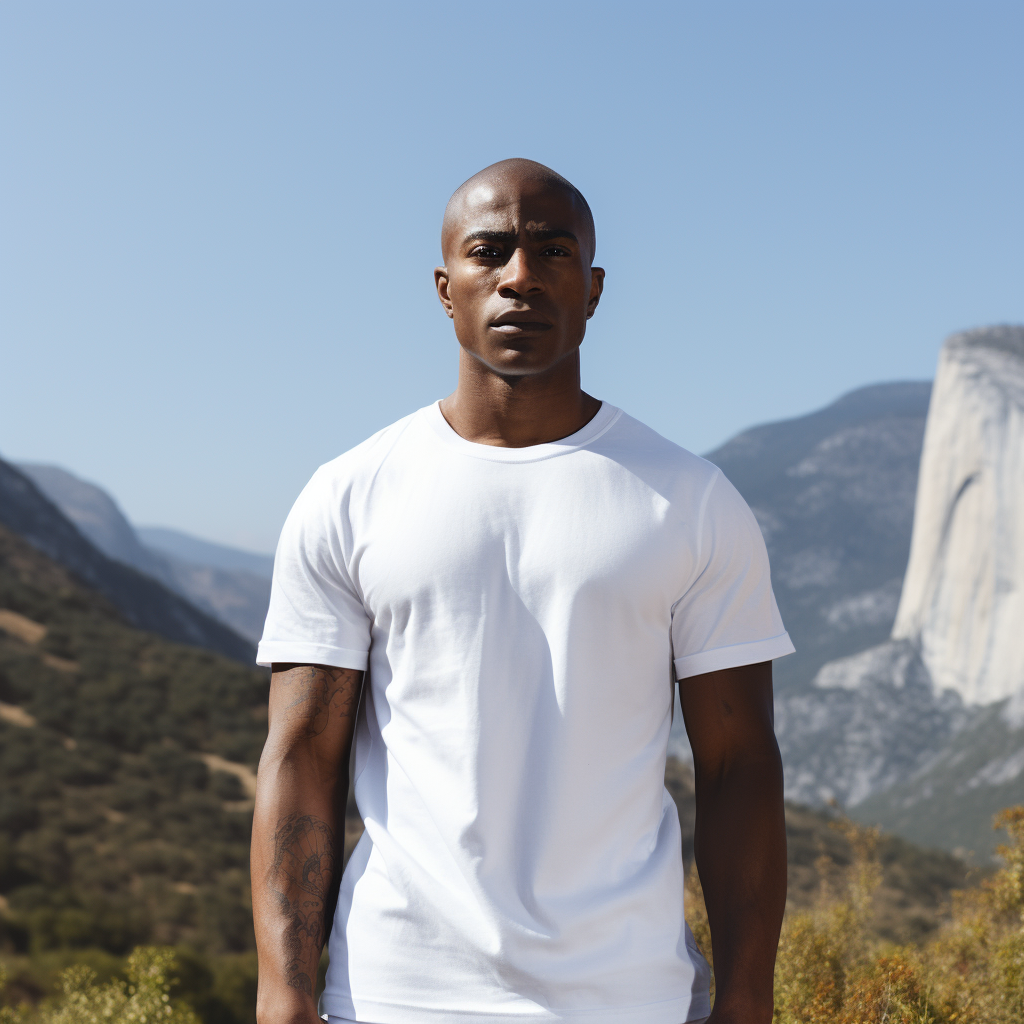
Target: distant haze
<point>192,549</point>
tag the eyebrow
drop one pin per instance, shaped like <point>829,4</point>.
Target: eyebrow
<point>541,235</point>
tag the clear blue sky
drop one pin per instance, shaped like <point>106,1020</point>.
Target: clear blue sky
<point>218,222</point>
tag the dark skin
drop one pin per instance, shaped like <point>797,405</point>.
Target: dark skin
<point>740,836</point>
<point>519,284</point>
<point>298,832</point>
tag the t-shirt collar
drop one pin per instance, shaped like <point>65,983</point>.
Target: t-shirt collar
<point>590,432</point>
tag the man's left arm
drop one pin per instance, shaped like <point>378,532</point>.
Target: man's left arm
<point>740,834</point>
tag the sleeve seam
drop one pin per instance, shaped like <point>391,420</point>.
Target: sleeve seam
<point>313,653</point>
<point>771,647</point>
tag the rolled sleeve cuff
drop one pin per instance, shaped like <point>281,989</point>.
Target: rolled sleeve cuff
<point>288,652</point>
<point>733,656</point>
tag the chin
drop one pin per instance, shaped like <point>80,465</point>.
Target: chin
<point>513,361</point>
<point>518,364</point>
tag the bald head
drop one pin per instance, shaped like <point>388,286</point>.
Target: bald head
<point>519,279</point>
<point>509,181</point>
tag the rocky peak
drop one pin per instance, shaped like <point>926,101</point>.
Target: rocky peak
<point>962,603</point>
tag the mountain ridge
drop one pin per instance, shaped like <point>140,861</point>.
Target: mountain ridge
<point>833,492</point>
<point>141,600</point>
<point>193,549</point>
<point>218,580</point>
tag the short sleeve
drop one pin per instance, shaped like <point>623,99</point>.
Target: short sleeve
<point>316,616</point>
<point>728,616</point>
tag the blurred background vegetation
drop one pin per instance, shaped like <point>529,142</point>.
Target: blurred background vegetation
<point>126,772</point>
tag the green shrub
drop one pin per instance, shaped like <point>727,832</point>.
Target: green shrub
<point>144,998</point>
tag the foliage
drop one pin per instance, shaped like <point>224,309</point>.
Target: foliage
<point>113,830</point>
<point>833,969</point>
<point>144,997</point>
<point>909,904</point>
<point>219,989</point>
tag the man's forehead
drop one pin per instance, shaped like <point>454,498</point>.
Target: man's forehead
<point>504,199</point>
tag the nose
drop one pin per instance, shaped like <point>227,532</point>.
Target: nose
<point>517,276</point>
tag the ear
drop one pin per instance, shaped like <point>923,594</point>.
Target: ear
<point>441,283</point>
<point>596,288</point>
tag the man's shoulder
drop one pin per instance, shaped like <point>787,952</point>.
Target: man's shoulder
<point>641,448</point>
<point>367,456</point>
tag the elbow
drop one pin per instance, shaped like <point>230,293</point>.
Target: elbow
<point>759,757</point>
<point>288,760</point>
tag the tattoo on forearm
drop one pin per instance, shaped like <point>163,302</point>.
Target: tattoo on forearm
<point>304,883</point>
<point>317,692</point>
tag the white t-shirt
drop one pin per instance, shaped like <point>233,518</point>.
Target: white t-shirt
<point>520,611</point>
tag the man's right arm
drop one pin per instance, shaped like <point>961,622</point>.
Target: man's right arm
<point>298,832</point>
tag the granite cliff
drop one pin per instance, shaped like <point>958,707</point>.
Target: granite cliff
<point>922,733</point>
<point>963,596</point>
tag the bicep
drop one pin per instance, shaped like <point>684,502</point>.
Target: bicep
<point>313,708</point>
<point>729,714</point>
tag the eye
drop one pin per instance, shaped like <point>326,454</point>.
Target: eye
<point>556,250</point>
<point>485,252</point>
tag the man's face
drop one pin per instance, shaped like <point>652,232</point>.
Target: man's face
<point>518,282</point>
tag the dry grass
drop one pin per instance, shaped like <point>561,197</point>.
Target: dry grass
<point>25,629</point>
<point>832,968</point>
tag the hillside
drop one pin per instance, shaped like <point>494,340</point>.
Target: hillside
<point>203,552</point>
<point>126,765</point>
<point>913,897</point>
<point>96,515</point>
<point>141,601</point>
<point>833,492</point>
<point>229,585</point>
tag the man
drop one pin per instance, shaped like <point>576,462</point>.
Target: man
<point>522,569</point>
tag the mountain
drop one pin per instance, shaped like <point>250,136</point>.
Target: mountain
<point>923,732</point>
<point>95,514</point>
<point>126,780</point>
<point>235,596</point>
<point>864,711</point>
<point>833,492</point>
<point>963,596</point>
<point>203,552</point>
<point>142,601</point>
<point>232,586</point>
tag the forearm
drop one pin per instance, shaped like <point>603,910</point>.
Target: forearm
<point>740,850</point>
<point>297,854</point>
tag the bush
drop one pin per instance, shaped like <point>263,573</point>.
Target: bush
<point>145,998</point>
<point>832,969</point>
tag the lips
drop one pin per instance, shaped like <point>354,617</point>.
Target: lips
<point>520,321</point>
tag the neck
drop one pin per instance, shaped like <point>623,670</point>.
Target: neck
<point>516,412</point>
